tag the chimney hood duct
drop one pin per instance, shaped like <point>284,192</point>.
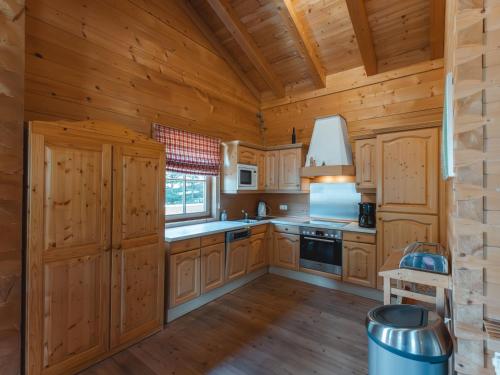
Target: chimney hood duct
<point>330,152</point>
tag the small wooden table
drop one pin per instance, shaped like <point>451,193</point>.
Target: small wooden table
<point>391,271</point>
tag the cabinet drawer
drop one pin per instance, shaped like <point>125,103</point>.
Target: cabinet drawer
<point>358,237</point>
<point>184,245</point>
<point>292,229</point>
<point>259,229</point>
<point>213,239</point>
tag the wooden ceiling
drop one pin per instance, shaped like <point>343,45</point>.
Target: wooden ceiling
<point>274,45</point>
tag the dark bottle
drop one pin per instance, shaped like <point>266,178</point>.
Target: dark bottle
<point>294,137</point>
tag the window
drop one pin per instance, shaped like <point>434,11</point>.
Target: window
<point>187,196</point>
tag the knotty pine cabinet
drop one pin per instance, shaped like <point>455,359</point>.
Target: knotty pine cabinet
<point>366,163</point>
<point>359,263</point>
<point>184,277</point>
<point>286,250</point>
<point>94,193</point>
<point>236,259</point>
<point>408,171</point>
<point>212,267</point>
<point>257,252</point>
<point>290,162</point>
<point>272,170</point>
<point>262,168</point>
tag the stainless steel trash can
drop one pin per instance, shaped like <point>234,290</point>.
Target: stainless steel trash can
<point>407,339</point>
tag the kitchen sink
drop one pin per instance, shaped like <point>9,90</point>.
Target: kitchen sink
<point>248,221</point>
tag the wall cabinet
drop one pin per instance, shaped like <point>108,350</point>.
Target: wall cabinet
<point>396,230</point>
<point>236,259</point>
<point>286,250</point>
<point>212,267</point>
<point>257,252</point>
<point>88,219</point>
<point>408,171</point>
<point>290,161</point>
<point>184,277</point>
<point>247,155</point>
<point>272,170</point>
<point>366,163</point>
<point>261,165</point>
<point>359,263</point>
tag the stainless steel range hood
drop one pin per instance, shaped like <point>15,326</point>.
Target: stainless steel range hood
<point>330,152</point>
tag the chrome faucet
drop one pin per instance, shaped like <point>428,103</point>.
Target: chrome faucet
<point>245,214</point>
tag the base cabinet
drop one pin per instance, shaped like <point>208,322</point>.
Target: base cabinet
<point>184,277</point>
<point>359,263</point>
<point>212,267</point>
<point>286,250</point>
<point>257,257</point>
<point>236,259</point>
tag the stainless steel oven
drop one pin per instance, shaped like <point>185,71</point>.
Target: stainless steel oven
<point>321,250</point>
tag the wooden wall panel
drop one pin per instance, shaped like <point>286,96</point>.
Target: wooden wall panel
<point>132,62</point>
<point>12,20</point>
<point>472,42</point>
<point>408,99</point>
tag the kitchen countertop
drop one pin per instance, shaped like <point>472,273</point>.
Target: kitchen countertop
<point>205,229</point>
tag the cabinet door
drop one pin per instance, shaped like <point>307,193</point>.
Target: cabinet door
<point>366,163</point>
<point>257,252</point>
<point>236,259</point>
<point>395,231</point>
<point>261,165</point>
<point>286,250</point>
<point>184,277</point>
<point>290,162</point>
<point>212,267</point>
<point>359,263</point>
<point>68,252</point>
<point>408,171</point>
<point>247,155</point>
<point>138,244</point>
<point>272,170</point>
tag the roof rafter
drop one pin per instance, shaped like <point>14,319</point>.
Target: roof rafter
<point>437,15</point>
<point>306,48</point>
<point>232,22</point>
<point>359,19</point>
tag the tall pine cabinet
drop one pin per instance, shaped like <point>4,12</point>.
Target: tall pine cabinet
<point>95,258</point>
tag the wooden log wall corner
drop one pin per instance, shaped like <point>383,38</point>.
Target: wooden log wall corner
<point>12,42</point>
<point>473,55</point>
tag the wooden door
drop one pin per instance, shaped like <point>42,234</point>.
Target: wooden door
<point>68,251</point>
<point>286,250</point>
<point>247,155</point>
<point>261,165</point>
<point>396,230</point>
<point>359,263</point>
<point>272,170</point>
<point>366,163</point>
<point>408,171</point>
<point>184,277</point>
<point>138,243</point>
<point>257,252</point>
<point>236,259</point>
<point>290,162</point>
<point>212,267</point>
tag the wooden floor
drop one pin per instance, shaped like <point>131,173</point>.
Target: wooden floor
<point>271,326</point>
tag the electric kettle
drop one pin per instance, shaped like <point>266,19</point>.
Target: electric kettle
<point>261,209</point>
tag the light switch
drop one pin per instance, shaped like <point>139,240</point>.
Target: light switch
<point>283,207</point>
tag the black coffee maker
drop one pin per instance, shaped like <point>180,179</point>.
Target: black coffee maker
<point>367,215</point>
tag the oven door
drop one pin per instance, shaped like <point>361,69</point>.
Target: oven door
<point>247,177</point>
<point>321,254</point>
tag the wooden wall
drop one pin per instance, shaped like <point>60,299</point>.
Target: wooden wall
<point>473,56</point>
<point>410,96</point>
<point>11,164</point>
<point>132,62</point>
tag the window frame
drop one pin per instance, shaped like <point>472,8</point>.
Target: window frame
<point>209,182</point>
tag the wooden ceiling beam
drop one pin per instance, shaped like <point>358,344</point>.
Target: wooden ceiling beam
<point>230,19</point>
<point>307,49</point>
<point>207,32</point>
<point>437,16</point>
<point>359,19</point>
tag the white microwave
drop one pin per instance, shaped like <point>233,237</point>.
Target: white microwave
<point>248,176</point>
